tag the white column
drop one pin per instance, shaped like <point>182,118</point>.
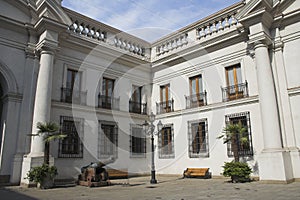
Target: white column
<point>42,103</point>
<point>274,162</point>
<point>267,98</point>
<point>41,113</point>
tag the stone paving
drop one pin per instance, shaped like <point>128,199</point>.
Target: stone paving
<point>169,188</point>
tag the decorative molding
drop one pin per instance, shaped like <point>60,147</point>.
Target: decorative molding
<point>211,107</point>
<point>294,91</point>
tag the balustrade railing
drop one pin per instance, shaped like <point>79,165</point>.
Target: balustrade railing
<point>235,92</point>
<point>129,46</point>
<point>138,107</point>
<point>172,44</point>
<point>165,106</point>
<point>108,102</point>
<point>98,31</point>
<point>196,100</point>
<point>218,23</point>
<point>87,30</point>
<point>69,95</point>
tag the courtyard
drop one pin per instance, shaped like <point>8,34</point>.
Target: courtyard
<point>168,188</point>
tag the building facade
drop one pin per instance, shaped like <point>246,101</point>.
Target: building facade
<point>99,84</point>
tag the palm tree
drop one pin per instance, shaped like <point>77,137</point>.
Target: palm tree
<point>235,133</point>
<point>49,131</point>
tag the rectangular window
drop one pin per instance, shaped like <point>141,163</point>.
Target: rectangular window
<point>233,75</point>
<point>245,148</point>
<point>108,87</point>
<point>166,104</point>
<point>165,93</point>
<point>198,138</point>
<point>135,103</point>
<point>136,94</point>
<point>71,146</point>
<point>196,85</point>
<point>233,80</point>
<point>137,142</point>
<point>197,96</point>
<point>106,98</point>
<point>72,91</point>
<point>166,142</point>
<point>108,140</point>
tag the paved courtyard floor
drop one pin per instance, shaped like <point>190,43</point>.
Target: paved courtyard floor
<point>168,188</point>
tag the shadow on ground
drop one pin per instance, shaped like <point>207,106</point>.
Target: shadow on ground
<point>6,194</point>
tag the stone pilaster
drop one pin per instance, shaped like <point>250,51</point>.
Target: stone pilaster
<point>287,126</point>
<point>274,162</point>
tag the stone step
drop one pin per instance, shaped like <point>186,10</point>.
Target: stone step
<point>65,182</point>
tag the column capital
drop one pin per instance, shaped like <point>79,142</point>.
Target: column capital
<point>260,39</point>
<point>47,46</point>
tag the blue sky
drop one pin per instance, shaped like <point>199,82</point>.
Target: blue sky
<point>150,19</point>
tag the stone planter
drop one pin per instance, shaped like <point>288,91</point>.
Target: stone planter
<point>46,183</point>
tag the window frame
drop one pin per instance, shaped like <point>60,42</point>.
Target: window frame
<point>200,153</point>
<point>106,91</point>
<point>198,79</point>
<point>228,119</point>
<point>171,150</point>
<point>142,140</point>
<point>79,123</point>
<point>113,145</point>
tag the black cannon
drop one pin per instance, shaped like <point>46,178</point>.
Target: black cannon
<point>94,174</point>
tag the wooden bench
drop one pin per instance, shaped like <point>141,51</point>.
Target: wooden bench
<point>197,173</point>
<point>117,173</point>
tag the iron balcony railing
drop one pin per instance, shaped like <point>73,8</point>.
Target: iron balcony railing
<point>196,100</point>
<point>108,102</point>
<point>137,107</point>
<point>69,95</point>
<point>235,92</point>
<point>165,106</point>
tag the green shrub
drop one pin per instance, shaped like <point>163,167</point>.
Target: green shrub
<point>37,174</point>
<point>238,171</point>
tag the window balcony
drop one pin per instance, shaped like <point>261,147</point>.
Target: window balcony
<point>69,95</point>
<point>234,92</point>
<point>108,102</point>
<point>138,107</point>
<point>196,100</point>
<point>165,107</point>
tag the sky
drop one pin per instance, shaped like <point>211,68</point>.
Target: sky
<point>147,19</point>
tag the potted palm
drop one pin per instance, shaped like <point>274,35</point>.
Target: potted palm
<point>238,171</point>
<point>44,175</point>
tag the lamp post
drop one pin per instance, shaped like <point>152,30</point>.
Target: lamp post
<point>146,129</point>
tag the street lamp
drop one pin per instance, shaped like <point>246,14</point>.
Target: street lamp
<point>146,128</point>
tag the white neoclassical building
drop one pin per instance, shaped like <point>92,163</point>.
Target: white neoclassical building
<point>100,84</point>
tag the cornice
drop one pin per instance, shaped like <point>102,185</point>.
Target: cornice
<point>12,97</point>
<point>227,36</point>
<point>11,24</point>
<point>99,111</point>
<point>45,23</point>
<point>294,91</point>
<point>210,107</point>
<point>260,38</point>
<point>201,66</point>
<point>86,45</point>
